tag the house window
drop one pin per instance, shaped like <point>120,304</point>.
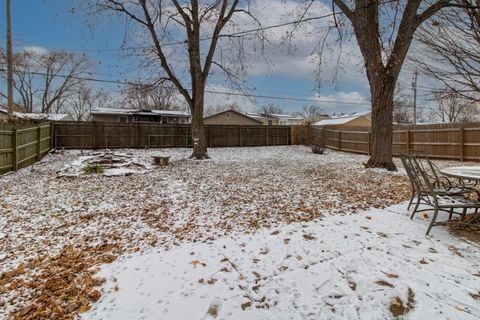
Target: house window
<point>123,119</point>
<point>227,114</point>
<point>270,122</point>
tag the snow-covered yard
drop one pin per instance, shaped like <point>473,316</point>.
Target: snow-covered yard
<point>253,233</point>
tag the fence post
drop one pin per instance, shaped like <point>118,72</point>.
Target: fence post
<point>462,144</point>
<point>52,136</point>
<point>39,140</point>
<point>241,136</point>
<point>267,136</point>
<point>14,150</point>
<point>210,137</point>
<point>339,140</point>
<point>408,140</point>
<point>323,137</point>
<point>94,135</point>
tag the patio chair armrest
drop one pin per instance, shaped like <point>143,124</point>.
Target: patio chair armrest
<point>455,184</point>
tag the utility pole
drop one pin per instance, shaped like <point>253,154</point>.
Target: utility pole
<point>9,62</point>
<point>414,86</point>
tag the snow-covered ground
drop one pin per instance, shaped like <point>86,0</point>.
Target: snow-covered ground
<point>282,218</point>
<point>337,267</point>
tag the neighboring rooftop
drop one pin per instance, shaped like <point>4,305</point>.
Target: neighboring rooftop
<point>40,116</point>
<point>342,119</point>
<point>140,112</point>
<point>284,116</point>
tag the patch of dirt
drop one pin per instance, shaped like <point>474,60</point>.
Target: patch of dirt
<point>398,308</point>
<point>464,229</point>
<point>63,285</point>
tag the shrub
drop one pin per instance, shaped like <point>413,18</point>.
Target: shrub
<point>93,168</point>
<point>317,149</point>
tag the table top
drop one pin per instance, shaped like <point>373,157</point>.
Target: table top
<point>467,173</point>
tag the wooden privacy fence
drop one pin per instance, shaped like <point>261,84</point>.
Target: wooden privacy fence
<point>93,135</point>
<point>23,144</point>
<point>455,143</point>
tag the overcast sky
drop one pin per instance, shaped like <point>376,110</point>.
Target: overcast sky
<point>282,72</point>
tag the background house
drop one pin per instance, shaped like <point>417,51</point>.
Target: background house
<point>258,117</point>
<point>346,120</point>
<point>285,119</point>
<point>135,115</point>
<point>275,119</point>
<point>231,117</point>
<point>36,116</point>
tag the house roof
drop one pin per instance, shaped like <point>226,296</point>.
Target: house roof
<point>285,116</point>
<point>40,116</point>
<point>239,113</point>
<point>339,120</point>
<point>117,111</point>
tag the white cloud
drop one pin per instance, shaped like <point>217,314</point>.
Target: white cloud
<point>214,98</point>
<point>36,50</point>
<point>298,57</point>
<point>343,102</point>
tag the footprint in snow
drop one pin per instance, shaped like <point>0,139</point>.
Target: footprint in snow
<point>213,310</point>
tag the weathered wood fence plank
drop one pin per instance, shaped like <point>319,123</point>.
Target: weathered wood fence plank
<point>454,143</point>
<point>23,144</point>
<point>90,135</point>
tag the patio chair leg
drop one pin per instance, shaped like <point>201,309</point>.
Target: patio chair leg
<point>434,217</point>
<point>411,200</point>
<point>416,207</point>
<point>450,214</point>
<point>464,212</point>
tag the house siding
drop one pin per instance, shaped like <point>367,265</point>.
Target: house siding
<point>233,119</point>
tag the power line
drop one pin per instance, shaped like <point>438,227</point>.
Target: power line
<point>230,35</point>
<point>229,93</point>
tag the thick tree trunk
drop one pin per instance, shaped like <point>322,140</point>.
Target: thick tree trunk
<point>198,130</point>
<point>382,123</point>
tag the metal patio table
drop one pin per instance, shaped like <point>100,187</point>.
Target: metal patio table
<point>464,173</point>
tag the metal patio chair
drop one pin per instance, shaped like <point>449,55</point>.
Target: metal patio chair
<point>437,197</point>
<point>441,183</point>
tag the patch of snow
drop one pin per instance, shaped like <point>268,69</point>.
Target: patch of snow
<point>338,267</point>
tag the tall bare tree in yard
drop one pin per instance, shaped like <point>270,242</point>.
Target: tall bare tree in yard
<point>199,25</point>
<point>449,50</point>
<point>384,31</point>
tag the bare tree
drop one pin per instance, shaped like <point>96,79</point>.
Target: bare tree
<point>454,108</point>
<point>402,108</point>
<point>25,83</point>
<point>62,72</point>
<point>150,97</point>
<point>43,80</point>
<point>402,111</point>
<point>82,100</point>
<point>198,25</point>
<point>384,33</point>
<point>310,111</point>
<point>270,108</point>
<point>211,110</point>
<point>9,60</point>
<point>449,50</point>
